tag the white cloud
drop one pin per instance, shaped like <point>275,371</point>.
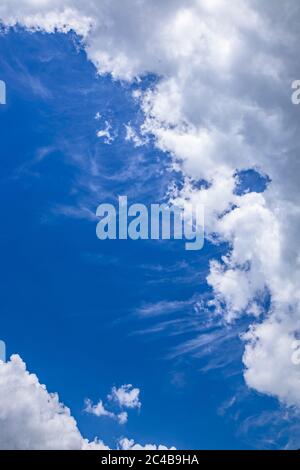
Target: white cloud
<point>268,357</point>
<point>129,444</point>
<point>33,418</point>
<point>97,410</point>
<point>123,417</point>
<point>106,133</point>
<point>100,410</point>
<point>134,137</point>
<point>126,396</point>
<point>222,104</point>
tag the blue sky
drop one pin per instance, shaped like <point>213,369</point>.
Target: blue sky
<point>86,315</point>
<point>70,302</point>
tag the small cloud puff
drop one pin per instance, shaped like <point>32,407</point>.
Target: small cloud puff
<point>126,396</point>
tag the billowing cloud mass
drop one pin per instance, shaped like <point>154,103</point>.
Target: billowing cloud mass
<point>33,419</point>
<point>222,105</point>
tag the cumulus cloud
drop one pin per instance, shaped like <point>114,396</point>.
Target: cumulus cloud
<point>122,417</point>
<point>126,396</point>
<point>106,133</point>
<point>97,410</point>
<point>31,418</point>
<point>222,105</point>
<point>129,444</point>
<point>100,410</point>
